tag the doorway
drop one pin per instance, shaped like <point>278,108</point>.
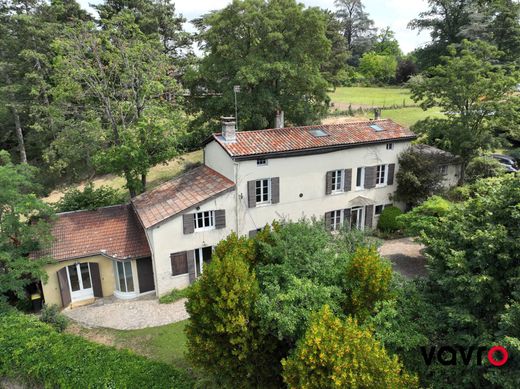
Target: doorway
<point>202,256</point>
<point>80,281</point>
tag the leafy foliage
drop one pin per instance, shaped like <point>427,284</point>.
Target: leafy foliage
<point>339,354</point>
<point>388,220</point>
<point>89,198</point>
<point>37,353</point>
<point>483,167</point>
<point>378,68</point>
<point>174,295</point>
<point>51,314</point>
<point>23,227</point>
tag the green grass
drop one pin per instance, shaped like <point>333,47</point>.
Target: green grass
<point>174,295</point>
<point>408,116</point>
<point>371,96</point>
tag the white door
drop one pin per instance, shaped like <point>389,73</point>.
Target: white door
<point>80,281</point>
<point>202,256</point>
<point>356,218</point>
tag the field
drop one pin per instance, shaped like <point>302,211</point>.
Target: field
<point>370,97</point>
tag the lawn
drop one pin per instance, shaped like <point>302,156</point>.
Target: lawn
<point>408,116</point>
<point>370,97</point>
<point>158,174</point>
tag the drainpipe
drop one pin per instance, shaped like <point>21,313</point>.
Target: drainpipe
<point>235,168</point>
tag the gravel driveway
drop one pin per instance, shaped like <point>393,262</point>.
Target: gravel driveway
<point>144,312</point>
<point>406,257</point>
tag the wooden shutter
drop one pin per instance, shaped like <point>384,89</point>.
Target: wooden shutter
<point>348,180</point>
<point>179,263</point>
<point>63,282</point>
<point>220,218</point>
<point>328,220</point>
<point>191,265</point>
<point>369,215</point>
<point>346,218</point>
<point>251,194</point>
<point>275,190</point>
<point>328,183</point>
<point>391,171</point>
<point>370,177</point>
<point>188,223</point>
<point>96,279</point>
<point>253,233</point>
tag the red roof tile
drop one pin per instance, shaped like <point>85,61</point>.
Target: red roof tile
<point>112,231</point>
<point>179,194</point>
<point>294,139</point>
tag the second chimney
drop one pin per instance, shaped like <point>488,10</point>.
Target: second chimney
<point>377,113</point>
<point>278,120</point>
<point>229,132</point>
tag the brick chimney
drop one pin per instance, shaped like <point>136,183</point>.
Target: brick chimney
<point>279,119</point>
<point>228,129</point>
<point>377,113</point>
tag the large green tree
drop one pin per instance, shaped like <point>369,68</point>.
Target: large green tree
<point>23,227</point>
<point>116,97</point>
<point>273,50</point>
<point>475,93</point>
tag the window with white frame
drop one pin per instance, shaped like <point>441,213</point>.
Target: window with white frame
<point>378,210</point>
<point>337,180</point>
<point>261,162</point>
<point>381,175</point>
<point>335,219</point>
<point>443,169</point>
<point>389,146</point>
<point>360,178</point>
<point>204,220</point>
<point>263,191</point>
<point>124,277</point>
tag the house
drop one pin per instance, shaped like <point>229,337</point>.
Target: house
<point>343,173</point>
<point>449,165</point>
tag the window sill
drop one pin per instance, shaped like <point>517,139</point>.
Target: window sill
<point>359,189</point>
<point>263,204</point>
<point>204,229</point>
<point>179,275</point>
<point>381,185</point>
<point>337,192</point>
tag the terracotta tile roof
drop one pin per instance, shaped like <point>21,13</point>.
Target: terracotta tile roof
<point>112,231</point>
<point>294,139</point>
<point>179,194</point>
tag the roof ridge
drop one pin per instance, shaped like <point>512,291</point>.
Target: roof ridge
<point>91,210</point>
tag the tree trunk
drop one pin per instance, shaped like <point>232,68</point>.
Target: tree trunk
<point>19,135</point>
<point>462,173</point>
<point>143,182</point>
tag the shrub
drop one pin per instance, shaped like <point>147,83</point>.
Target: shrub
<point>340,354</point>
<point>515,153</point>
<point>51,314</point>
<point>174,295</point>
<point>388,220</point>
<point>483,167</point>
<point>89,198</point>
<point>367,280</point>
<point>39,355</point>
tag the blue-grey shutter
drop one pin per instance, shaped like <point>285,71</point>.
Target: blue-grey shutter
<point>348,180</point>
<point>63,282</point>
<point>391,172</point>
<point>251,194</point>
<point>190,256</point>
<point>369,215</point>
<point>346,218</point>
<point>188,223</point>
<point>328,221</point>
<point>328,183</point>
<point>370,177</point>
<point>275,190</point>
<point>220,218</point>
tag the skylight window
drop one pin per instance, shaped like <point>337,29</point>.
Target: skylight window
<point>376,128</point>
<point>318,133</point>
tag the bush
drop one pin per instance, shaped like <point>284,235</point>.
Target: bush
<point>174,295</point>
<point>483,167</point>
<point>39,355</point>
<point>89,198</point>
<point>340,354</point>
<point>515,153</point>
<point>51,314</point>
<point>388,220</point>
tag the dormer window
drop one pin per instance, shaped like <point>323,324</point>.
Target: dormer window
<point>261,162</point>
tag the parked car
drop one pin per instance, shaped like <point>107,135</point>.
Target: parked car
<point>506,160</point>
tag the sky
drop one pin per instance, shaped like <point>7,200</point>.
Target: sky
<point>393,13</point>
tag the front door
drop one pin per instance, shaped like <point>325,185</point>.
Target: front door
<point>202,256</point>
<point>356,218</point>
<point>80,281</point>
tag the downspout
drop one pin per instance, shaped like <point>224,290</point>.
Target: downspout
<point>235,168</point>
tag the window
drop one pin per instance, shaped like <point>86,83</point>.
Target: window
<point>202,257</point>
<point>379,209</point>
<point>80,281</point>
<point>318,133</point>
<point>360,178</point>
<point>335,220</point>
<point>381,175</point>
<point>337,180</point>
<point>204,220</point>
<point>263,191</point>
<point>389,146</point>
<point>443,169</point>
<point>376,128</point>
<point>261,162</point>
<point>124,278</point>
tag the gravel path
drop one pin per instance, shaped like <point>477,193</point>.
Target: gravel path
<point>405,256</point>
<point>145,312</point>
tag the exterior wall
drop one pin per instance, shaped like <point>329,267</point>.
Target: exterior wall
<point>452,178</point>
<point>51,289</point>
<point>168,237</point>
<point>216,158</point>
<point>306,175</point>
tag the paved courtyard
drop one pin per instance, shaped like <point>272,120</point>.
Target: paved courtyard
<point>144,312</point>
<point>406,256</point>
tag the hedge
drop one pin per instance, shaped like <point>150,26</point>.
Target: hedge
<point>35,353</point>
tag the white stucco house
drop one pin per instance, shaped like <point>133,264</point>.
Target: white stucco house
<point>343,173</point>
